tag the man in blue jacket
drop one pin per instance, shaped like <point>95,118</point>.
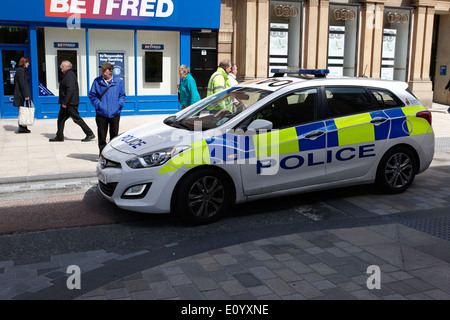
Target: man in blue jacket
<point>107,95</point>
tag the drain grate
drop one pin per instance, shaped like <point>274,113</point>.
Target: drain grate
<point>438,227</point>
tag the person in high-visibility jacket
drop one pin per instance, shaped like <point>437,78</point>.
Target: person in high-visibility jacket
<point>219,79</point>
<point>218,82</point>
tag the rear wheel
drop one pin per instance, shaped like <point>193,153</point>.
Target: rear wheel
<point>202,197</point>
<point>396,170</point>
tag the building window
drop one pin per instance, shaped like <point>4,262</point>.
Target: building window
<point>60,44</point>
<point>395,44</point>
<point>117,48</point>
<point>342,40</point>
<point>285,34</point>
<point>157,62</point>
<point>13,35</point>
<point>153,67</point>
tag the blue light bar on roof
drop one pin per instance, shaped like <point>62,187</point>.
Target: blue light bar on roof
<point>315,72</point>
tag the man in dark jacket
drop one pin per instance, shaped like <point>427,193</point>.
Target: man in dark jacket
<point>69,98</point>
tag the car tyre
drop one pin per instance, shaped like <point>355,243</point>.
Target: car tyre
<point>203,196</point>
<point>396,171</point>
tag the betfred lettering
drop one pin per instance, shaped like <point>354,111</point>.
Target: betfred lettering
<point>101,9</point>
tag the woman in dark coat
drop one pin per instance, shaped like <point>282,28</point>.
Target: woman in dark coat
<point>22,90</point>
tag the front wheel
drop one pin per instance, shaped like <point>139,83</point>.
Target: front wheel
<point>396,171</point>
<point>202,197</point>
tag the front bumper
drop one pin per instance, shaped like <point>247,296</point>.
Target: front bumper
<point>115,181</point>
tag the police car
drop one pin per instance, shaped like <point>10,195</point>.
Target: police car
<point>270,137</point>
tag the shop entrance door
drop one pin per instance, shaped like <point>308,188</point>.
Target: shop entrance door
<point>10,56</point>
<point>203,58</point>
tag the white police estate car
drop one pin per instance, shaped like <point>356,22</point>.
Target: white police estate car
<point>267,138</point>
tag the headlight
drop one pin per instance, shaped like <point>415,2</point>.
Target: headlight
<point>155,158</point>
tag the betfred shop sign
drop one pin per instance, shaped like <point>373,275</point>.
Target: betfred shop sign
<point>203,14</point>
<point>110,9</point>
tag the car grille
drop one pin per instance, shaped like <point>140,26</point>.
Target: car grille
<point>107,188</point>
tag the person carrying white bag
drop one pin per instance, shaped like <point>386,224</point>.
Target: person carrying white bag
<point>22,91</point>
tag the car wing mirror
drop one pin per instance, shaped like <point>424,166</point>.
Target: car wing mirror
<point>260,124</point>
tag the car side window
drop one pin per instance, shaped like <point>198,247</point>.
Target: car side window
<point>386,99</point>
<point>290,110</point>
<point>344,101</point>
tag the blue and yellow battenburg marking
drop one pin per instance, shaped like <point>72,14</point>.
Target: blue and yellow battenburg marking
<point>344,131</point>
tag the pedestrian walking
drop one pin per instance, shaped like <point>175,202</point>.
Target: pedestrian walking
<point>107,95</point>
<point>232,75</point>
<point>447,87</point>
<point>22,91</point>
<point>219,79</point>
<point>69,99</point>
<point>187,88</point>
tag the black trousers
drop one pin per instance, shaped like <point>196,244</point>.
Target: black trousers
<point>66,113</point>
<point>102,129</point>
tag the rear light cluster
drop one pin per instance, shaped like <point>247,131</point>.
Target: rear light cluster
<point>426,115</point>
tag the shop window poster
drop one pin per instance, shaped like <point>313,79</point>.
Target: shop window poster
<point>117,59</point>
<point>389,43</point>
<point>279,39</point>
<point>336,42</point>
<point>336,45</point>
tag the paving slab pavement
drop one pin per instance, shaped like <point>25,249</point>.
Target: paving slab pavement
<point>409,241</point>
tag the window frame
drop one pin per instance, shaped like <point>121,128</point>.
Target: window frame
<point>399,101</point>
<point>369,95</point>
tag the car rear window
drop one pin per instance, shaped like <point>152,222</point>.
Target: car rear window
<point>386,99</point>
<point>348,100</point>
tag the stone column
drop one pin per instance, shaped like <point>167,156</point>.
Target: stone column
<point>262,39</point>
<point>251,38</point>
<point>316,34</point>
<point>371,39</point>
<point>322,33</point>
<point>422,31</point>
<point>311,33</point>
<point>225,34</point>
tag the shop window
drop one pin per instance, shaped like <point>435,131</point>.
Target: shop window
<point>158,60</point>
<point>342,40</point>
<point>13,35</point>
<point>117,48</point>
<point>54,46</point>
<point>42,70</point>
<point>153,66</point>
<point>63,55</point>
<point>395,44</point>
<point>285,34</point>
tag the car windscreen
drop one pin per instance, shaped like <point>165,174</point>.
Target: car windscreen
<point>217,109</point>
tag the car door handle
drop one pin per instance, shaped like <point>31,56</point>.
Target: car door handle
<point>314,134</point>
<point>378,120</point>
